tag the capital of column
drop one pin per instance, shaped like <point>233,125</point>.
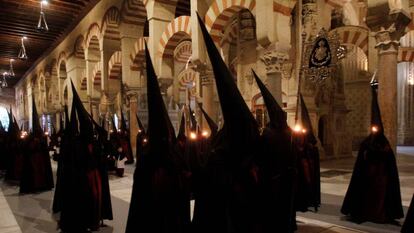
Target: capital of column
<point>206,74</point>
<point>277,62</point>
<point>165,83</point>
<point>387,42</point>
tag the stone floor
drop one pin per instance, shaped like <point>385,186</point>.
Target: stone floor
<point>32,213</point>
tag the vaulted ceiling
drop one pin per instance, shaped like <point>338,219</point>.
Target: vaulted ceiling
<point>20,17</point>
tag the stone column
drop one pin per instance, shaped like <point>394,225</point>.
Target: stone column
<point>387,77</point>
<point>208,94</point>
<point>389,22</point>
<point>133,124</point>
<point>276,64</point>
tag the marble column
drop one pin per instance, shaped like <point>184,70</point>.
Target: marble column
<point>387,78</point>
<point>133,124</point>
<point>276,64</point>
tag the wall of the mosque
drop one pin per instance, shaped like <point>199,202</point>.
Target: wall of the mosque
<point>104,57</point>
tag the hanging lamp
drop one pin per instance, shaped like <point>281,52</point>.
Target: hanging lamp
<point>11,71</point>
<point>22,53</point>
<point>42,24</point>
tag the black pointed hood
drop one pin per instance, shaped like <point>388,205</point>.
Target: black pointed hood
<point>86,129</point>
<point>123,123</point>
<point>306,121</point>
<point>181,132</point>
<point>192,119</point>
<point>211,124</point>
<point>72,127</point>
<point>36,128</point>
<point>140,125</point>
<point>160,129</point>
<point>375,110</point>
<point>113,124</point>
<point>277,116</point>
<point>241,127</point>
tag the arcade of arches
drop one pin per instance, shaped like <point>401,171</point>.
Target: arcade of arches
<point>103,56</point>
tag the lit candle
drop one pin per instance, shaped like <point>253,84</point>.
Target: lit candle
<point>374,129</point>
<point>193,136</point>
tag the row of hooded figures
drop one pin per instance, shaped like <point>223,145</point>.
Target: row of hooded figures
<point>241,180</point>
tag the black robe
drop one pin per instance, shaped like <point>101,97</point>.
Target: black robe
<point>14,157</point>
<point>374,191</point>
<point>158,197</point>
<point>101,154</point>
<point>37,173</point>
<point>277,180</point>
<point>308,192</point>
<point>408,226</point>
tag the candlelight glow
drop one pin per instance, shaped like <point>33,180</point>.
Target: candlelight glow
<point>374,129</point>
<point>139,131</point>
<point>297,128</point>
<point>145,140</point>
<point>204,133</point>
<point>303,130</point>
<point>193,135</point>
<point>46,133</point>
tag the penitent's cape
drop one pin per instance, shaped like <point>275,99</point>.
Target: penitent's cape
<point>159,203</point>
<point>276,166</point>
<point>374,191</point>
<point>228,200</point>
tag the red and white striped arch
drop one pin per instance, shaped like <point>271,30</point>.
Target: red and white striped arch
<point>220,13</point>
<point>134,12</point>
<point>174,33</point>
<point>405,54</point>
<point>231,36</point>
<point>84,83</point>
<point>284,7</point>
<point>97,74</point>
<point>354,35</point>
<point>110,24</point>
<point>78,50</point>
<point>183,52</point>
<point>115,65</point>
<point>186,78</point>
<point>138,55</point>
<point>92,41</point>
<point>337,3</point>
<point>167,2</point>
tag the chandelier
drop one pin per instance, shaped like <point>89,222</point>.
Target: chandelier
<point>11,71</point>
<point>22,53</point>
<point>42,24</point>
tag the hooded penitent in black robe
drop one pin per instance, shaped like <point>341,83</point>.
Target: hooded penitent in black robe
<point>207,139</point>
<point>37,169</point>
<point>374,191</point>
<point>228,201</point>
<point>276,168</point>
<point>158,202</point>
<point>13,151</point>
<point>125,140</point>
<point>308,188</point>
<point>408,226</point>
<point>181,137</point>
<point>81,181</point>
<point>100,143</point>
